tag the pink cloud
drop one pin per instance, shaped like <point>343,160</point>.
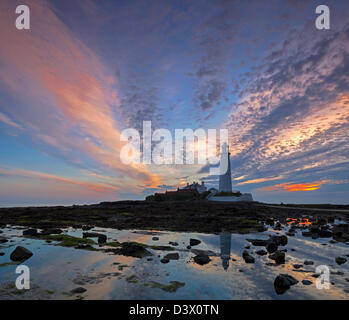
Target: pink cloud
<point>68,98</point>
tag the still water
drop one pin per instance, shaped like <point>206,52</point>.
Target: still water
<point>56,270</point>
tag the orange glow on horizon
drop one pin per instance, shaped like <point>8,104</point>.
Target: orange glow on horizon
<point>309,186</point>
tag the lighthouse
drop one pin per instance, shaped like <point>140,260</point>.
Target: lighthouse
<point>225,171</point>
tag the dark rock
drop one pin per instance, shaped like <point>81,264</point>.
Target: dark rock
<point>297,266</point>
<point>90,234</point>
<point>102,238</point>
<point>306,234</point>
<point>283,282</point>
<point>131,249</point>
<point>155,238</point>
<point>307,282</point>
<point>315,228</point>
<point>261,252</point>
<point>165,260</point>
<point>308,262</point>
<point>202,259</point>
<point>78,290</point>
<point>30,232</point>
<point>278,226</point>
<point>341,260</point>
<point>279,240</point>
<point>278,256</point>
<point>2,254</point>
<point>258,242</point>
<point>175,244</point>
<point>247,257</point>
<point>272,247</point>
<point>245,254</point>
<point>51,231</point>
<point>316,275</point>
<point>3,240</point>
<point>172,256</point>
<point>85,228</point>
<point>247,247</point>
<point>325,233</point>
<point>20,254</point>
<point>194,242</point>
<point>188,247</point>
<point>77,226</point>
<point>149,259</point>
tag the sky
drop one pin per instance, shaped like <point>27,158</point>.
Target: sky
<point>87,70</point>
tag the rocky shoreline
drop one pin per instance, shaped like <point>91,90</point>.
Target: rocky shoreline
<point>185,216</point>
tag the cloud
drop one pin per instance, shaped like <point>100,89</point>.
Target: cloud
<point>289,187</point>
<point>34,176</point>
<point>9,122</point>
<point>66,97</point>
<point>260,180</point>
<point>293,116</point>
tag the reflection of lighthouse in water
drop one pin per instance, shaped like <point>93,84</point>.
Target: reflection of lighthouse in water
<point>225,240</point>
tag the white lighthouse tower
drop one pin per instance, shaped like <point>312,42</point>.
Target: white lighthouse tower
<point>225,171</point>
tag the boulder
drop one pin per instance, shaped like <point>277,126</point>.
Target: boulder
<point>279,240</point>
<point>172,256</point>
<point>283,282</point>
<point>85,228</point>
<point>165,260</point>
<point>20,254</point>
<point>102,238</point>
<point>247,257</point>
<point>49,231</point>
<point>202,259</point>
<point>307,282</point>
<point>155,238</point>
<point>78,290</point>
<point>131,249</point>
<point>175,244</point>
<point>278,256</point>
<point>341,260</point>
<point>258,242</point>
<point>194,242</point>
<point>30,232</point>
<point>308,262</point>
<point>261,252</point>
<point>272,247</point>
